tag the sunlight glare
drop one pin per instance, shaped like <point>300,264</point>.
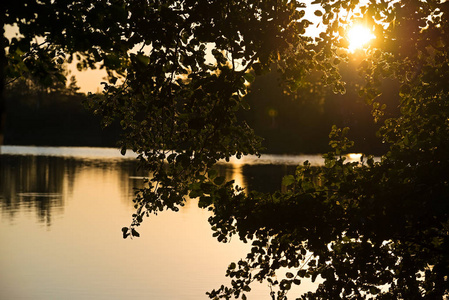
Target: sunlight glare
<point>358,36</point>
<point>355,156</point>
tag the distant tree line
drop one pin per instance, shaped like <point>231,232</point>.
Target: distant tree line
<point>300,122</point>
<point>53,117</point>
<point>288,123</point>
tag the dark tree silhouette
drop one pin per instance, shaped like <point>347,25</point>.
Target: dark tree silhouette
<point>374,230</point>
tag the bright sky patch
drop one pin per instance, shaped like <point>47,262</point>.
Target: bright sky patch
<point>358,37</point>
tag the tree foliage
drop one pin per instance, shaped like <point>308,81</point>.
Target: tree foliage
<point>50,33</point>
<point>374,229</point>
<point>180,107</point>
<point>370,229</point>
<point>45,35</point>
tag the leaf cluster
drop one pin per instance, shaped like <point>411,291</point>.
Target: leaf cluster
<point>373,229</point>
<point>183,88</point>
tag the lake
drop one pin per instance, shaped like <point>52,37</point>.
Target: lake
<point>62,210</point>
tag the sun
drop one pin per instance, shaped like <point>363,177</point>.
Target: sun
<point>359,36</point>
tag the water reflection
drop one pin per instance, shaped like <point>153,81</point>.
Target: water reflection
<point>33,184</point>
<point>42,184</point>
<point>60,232</point>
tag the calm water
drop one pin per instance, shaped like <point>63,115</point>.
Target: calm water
<point>61,214</point>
